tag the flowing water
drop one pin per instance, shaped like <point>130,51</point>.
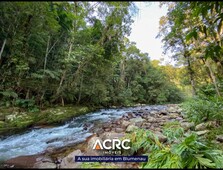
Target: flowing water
<point>37,140</point>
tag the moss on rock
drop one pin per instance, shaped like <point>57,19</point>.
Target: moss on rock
<point>15,121</point>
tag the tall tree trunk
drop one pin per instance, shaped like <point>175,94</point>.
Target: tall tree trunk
<point>62,101</point>
<point>46,54</point>
<point>61,82</point>
<point>122,70</point>
<point>213,78</point>
<point>2,49</point>
<point>80,91</point>
<point>191,73</point>
<point>27,94</point>
<point>208,71</point>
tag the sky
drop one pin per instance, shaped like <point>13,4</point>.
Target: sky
<point>146,27</point>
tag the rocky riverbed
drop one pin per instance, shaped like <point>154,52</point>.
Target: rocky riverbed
<point>144,118</point>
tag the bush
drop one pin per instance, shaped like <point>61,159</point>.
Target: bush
<point>188,152</point>
<point>28,104</point>
<point>203,109</point>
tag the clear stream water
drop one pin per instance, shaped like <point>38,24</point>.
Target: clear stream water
<point>35,141</point>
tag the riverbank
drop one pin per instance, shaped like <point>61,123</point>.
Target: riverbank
<point>15,120</point>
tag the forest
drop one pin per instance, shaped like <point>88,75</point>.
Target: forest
<point>77,54</point>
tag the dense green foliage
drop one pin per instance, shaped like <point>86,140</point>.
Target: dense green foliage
<point>206,110</point>
<point>192,32</point>
<point>63,53</point>
<point>203,109</point>
<point>188,152</point>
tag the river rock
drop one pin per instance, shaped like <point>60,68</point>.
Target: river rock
<point>92,141</point>
<point>52,140</point>
<point>160,136</point>
<point>219,138</point>
<point>119,130</point>
<point>151,119</point>
<point>173,115</point>
<point>201,126</point>
<point>125,123</point>
<point>108,129</point>
<point>100,131</point>
<point>107,125</point>
<point>117,122</point>
<point>131,128</point>
<point>146,126</point>
<point>163,112</point>
<point>44,159</point>
<point>179,110</point>
<point>138,124</point>
<point>45,165</point>
<point>165,117</point>
<point>211,124</point>
<point>111,135</point>
<point>69,160</point>
<point>130,115</point>
<point>153,112</point>
<point>179,118</point>
<point>187,125</point>
<point>135,120</point>
<point>22,161</point>
<point>141,111</point>
<point>203,132</point>
<point>144,116</point>
<point>172,110</point>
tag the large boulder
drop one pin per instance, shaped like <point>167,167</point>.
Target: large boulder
<point>69,160</point>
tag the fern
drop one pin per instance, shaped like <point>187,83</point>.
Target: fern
<point>173,131</point>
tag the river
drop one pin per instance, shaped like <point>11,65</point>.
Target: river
<point>35,141</point>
